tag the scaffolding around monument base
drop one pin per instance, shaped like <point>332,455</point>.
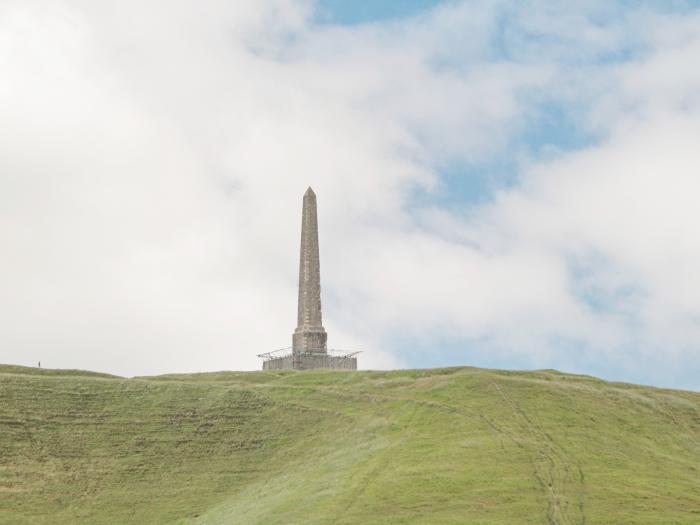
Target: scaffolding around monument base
<point>307,359</point>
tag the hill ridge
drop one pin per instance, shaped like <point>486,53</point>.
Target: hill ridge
<point>406,446</point>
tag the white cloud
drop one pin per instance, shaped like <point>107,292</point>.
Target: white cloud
<point>153,157</point>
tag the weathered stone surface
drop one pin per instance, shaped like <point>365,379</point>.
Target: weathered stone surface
<point>309,334</point>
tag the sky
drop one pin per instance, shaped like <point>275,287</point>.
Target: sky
<point>500,184</point>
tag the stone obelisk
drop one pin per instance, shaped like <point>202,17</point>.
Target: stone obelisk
<point>309,335</point>
<point>309,348</point>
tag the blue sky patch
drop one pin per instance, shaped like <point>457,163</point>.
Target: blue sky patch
<point>347,12</point>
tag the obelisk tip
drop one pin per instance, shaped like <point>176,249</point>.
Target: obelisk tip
<point>309,192</point>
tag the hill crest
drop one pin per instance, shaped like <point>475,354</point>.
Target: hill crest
<point>406,446</point>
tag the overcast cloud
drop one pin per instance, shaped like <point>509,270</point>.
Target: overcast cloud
<point>153,156</point>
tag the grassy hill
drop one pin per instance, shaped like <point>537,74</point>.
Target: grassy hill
<point>457,446</point>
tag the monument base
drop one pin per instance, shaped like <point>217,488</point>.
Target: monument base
<point>311,339</point>
<point>311,361</point>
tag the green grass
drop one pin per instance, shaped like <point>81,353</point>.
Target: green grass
<point>442,446</point>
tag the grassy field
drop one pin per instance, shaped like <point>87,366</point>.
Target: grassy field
<point>457,446</point>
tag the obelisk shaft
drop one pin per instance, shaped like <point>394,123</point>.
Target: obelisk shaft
<point>309,335</point>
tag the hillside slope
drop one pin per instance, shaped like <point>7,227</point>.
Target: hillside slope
<point>458,445</point>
